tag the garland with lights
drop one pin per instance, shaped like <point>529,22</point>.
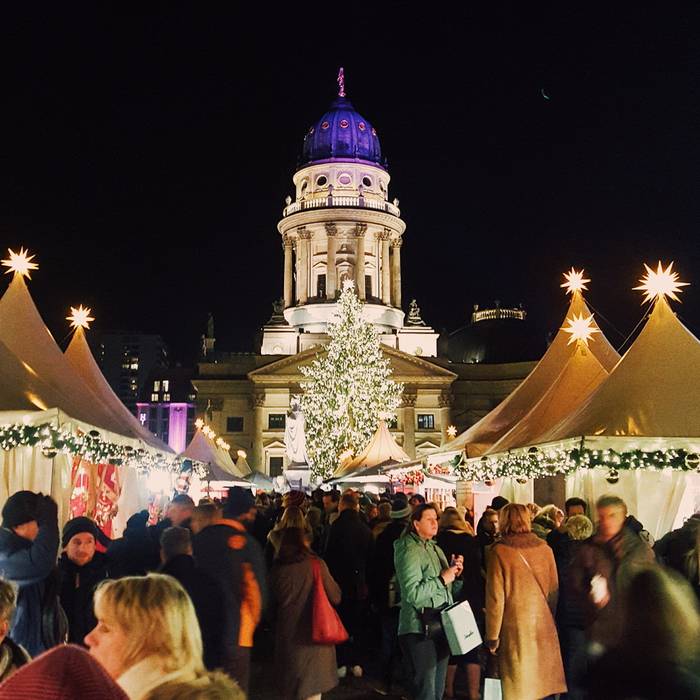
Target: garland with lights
<point>536,463</point>
<point>91,446</point>
<point>409,478</point>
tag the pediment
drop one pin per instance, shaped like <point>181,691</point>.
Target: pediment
<point>408,369</point>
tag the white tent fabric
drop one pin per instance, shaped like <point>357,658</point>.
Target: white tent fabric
<point>382,449</point>
<point>653,391</point>
<point>24,333</point>
<point>81,359</point>
<point>242,466</point>
<point>580,376</point>
<point>205,450</point>
<point>483,434</point>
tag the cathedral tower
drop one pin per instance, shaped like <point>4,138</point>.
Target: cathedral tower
<point>341,226</point>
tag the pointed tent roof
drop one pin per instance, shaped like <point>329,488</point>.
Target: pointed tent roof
<point>242,465</point>
<point>484,433</point>
<point>653,391</point>
<point>203,449</point>
<point>382,449</point>
<point>581,375</point>
<point>23,331</point>
<point>81,359</point>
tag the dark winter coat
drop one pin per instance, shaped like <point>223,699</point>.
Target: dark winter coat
<point>233,558</point>
<point>132,554</point>
<point>302,667</point>
<point>39,621</point>
<point>570,611</point>
<point>348,553</point>
<point>208,600</point>
<point>454,542</point>
<point>77,591</point>
<point>12,657</point>
<point>616,561</point>
<point>382,567</point>
<point>674,547</point>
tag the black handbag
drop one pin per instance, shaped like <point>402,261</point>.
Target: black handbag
<point>431,619</point>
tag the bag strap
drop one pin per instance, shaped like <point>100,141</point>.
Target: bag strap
<point>539,585</point>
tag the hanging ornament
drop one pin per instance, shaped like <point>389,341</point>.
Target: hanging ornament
<point>521,480</point>
<point>692,461</point>
<point>613,477</point>
<point>49,452</point>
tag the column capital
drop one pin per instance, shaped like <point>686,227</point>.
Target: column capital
<point>360,230</point>
<point>331,229</point>
<point>397,242</point>
<point>408,398</point>
<point>303,234</point>
<point>445,398</point>
<point>384,235</point>
<point>257,399</point>
<point>287,240</point>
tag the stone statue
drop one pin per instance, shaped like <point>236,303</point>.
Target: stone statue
<point>294,435</point>
<point>210,325</point>
<point>414,317</point>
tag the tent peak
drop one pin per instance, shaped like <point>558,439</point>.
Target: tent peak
<point>659,284</point>
<point>20,263</point>
<point>574,281</point>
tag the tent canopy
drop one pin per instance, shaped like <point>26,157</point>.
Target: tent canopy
<point>581,375</point>
<point>652,392</point>
<point>204,449</point>
<point>485,432</point>
<point>381,450</point>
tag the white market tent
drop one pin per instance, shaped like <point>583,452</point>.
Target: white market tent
<point>645,410</point>
<point>381,451</point>
<point>220,466</point>
<point>40,387</point>
<point>484,433</point>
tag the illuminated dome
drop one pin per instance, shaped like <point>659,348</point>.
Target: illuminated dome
<point>342,134</point>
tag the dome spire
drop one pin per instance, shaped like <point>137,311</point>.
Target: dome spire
<point>341,82</point>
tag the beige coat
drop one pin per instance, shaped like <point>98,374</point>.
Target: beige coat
<point>301,667</point>
<point>518,615</point>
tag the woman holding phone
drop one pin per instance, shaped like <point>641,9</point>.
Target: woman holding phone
<point>426,582</point>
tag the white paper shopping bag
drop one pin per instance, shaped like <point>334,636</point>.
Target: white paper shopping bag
<point>460,628</point>
<point>492,689</point>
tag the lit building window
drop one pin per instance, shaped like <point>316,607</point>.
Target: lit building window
<point>156,386</point>
<point>143,417</point>
<point>426,421</point>
<point>166,397</point>
<point>166,385</point>
<point>154,397</point>
<point>134,365</point>
<point>276,421</point>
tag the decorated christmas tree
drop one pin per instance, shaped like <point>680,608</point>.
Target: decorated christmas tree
<point>348,388</point>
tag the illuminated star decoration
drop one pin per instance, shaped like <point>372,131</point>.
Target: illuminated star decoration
<point>199,424</point>
<point>581,329</point>
<point>452,432</point>
<point>21,263</point>
<point>80,317</point>
<point>575,281</point>
<point>660,283</point>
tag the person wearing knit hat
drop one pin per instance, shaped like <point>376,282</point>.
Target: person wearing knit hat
<point>240,504</point>
<point>64,673</point>
<point>400,510</point>
<point>28,549</point>
<point>82,567</point>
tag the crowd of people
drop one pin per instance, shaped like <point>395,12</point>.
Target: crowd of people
<point>173,609</point>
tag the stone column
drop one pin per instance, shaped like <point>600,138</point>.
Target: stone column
<point>444,402</point>
<point>331,282</point>
<point>396,272</point>
<point>303,237</point>
<point>386,270</point>
<point>360,230</point>
<point>288,291</point>
<point>257,401</point>
<point>408,404</point>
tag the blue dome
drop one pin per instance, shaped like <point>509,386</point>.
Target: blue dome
<point>342,134</point>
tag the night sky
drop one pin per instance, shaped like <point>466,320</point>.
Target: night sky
<point>146,156</point>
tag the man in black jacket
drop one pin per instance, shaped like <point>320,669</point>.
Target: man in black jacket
<point>207,597</point>
<point>347,554</point>
<point>28,550</point>
<point>82,567</point>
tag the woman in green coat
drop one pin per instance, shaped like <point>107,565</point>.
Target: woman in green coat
<point>425,581</point>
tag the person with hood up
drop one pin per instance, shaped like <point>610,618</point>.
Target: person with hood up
<point>130,555</point>
<point>28,551</point>
<point>81,567</point>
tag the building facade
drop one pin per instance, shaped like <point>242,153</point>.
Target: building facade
<point>340,227</point>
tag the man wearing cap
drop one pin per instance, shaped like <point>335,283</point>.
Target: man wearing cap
<point>82,567</point>
<point>232,557</point>
<point>28,550</point>
<point>383,586</point>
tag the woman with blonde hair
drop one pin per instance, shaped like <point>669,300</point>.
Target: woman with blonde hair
<point>293,516</point>
<point>147,633</point>
<point>456,538</point>
<point>521,597</point>
<point>547,519</point>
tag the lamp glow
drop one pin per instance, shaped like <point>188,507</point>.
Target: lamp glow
<point>80,317</point>
<point>20,263</point>
<point>199,424</point>
<point>581,329</point>
<point>242,454</point>
<point>575,282</point>
<point>660,283</point>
